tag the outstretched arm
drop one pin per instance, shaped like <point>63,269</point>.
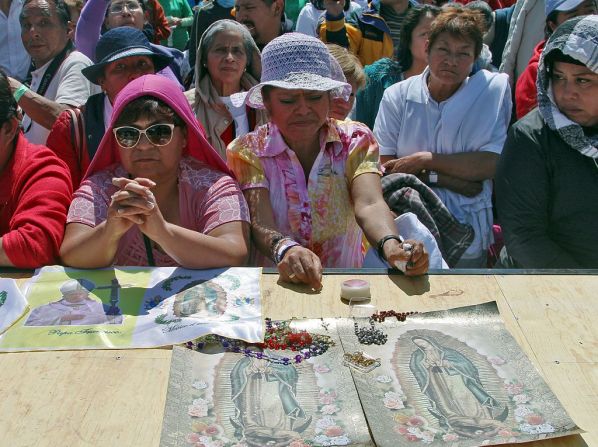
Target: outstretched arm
<point>375,219</point>
<point>299,265</point>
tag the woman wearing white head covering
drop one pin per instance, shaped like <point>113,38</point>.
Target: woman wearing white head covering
<point>312,183</point>
<point>547,178</point>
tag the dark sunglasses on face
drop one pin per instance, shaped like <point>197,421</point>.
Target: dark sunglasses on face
<point>128,137</point>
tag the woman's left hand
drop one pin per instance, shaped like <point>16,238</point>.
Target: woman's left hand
<point>409,164</point>
<point>416,258</point>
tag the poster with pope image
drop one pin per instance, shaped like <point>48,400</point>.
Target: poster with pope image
<point>131,307</point>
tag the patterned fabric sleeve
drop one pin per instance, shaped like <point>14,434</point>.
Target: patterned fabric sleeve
<point>363,151</point>
<point>245,164</point>
<point>91,200</point>
<point>224,203</point>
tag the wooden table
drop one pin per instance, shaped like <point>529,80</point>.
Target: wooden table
<point>116,398</point>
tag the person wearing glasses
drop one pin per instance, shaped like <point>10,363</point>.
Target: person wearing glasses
<point>122,54</point>
<point>156,193</point>
<point>99,16</point>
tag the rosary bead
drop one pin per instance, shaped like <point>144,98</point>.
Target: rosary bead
<point>278,336</point>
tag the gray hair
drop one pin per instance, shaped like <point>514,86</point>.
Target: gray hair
<point>207,40</point>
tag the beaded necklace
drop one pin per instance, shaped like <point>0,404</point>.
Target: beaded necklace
<point>278,336</point>
<point>381,316</point>
<point>371,335</point>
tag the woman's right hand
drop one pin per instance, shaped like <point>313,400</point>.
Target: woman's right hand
<point>416,258</point>
<point>300,265</point>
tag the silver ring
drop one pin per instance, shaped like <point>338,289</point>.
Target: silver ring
<point>292,275</point>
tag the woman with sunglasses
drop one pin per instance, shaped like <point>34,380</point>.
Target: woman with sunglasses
<point>156,193</point>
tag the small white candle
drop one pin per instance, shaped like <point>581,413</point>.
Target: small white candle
<point>355,290</point>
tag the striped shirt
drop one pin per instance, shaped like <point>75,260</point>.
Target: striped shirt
<point>394,21</point>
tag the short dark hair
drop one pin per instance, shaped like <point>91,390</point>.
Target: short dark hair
<point>550,18</point>
<point>557,55</point>
<point>461,23</point>
<point>485,9</point>
<point>62,10</point>
<point>8,105</point>
<point>411,20</point>
<point>148,107</point>
<point>319,4</point>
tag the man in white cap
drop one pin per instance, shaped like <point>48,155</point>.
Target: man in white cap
<point>74,308</point>
<point>557,12</point>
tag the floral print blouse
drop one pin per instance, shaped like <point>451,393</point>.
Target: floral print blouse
<point>317,212</point>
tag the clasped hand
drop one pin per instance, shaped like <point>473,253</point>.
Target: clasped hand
<point>134,204</point>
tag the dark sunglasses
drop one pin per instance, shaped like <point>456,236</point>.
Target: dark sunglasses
<point>128,137</point>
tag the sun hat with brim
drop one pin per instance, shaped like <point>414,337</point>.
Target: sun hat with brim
<point>297,61</point>
<point>119,43</point>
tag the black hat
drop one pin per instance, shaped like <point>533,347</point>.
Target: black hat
<point>119,43</point>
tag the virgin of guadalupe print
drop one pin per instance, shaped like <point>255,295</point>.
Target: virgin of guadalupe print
<point>267,408</point>
<point>454,377</point>
<point>450,381</point>
<point>201,299</point>
<point>231,399</point>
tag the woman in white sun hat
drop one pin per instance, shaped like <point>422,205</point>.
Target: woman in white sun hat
<point>312,183</point>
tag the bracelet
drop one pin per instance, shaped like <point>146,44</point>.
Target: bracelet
<point>274,244</point>
<point>18,94</point>
<point>381,242</point>
<point>282,247</point>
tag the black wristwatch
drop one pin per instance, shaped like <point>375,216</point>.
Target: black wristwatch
<point>381,242</point>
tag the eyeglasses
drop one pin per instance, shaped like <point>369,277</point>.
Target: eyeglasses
<point>128,137</point>
<point>120,7</point>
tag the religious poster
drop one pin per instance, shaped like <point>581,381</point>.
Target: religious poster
<point>228,399</point>
<point>12,303</point>
<point>135,308</point>
<point>455,377</point>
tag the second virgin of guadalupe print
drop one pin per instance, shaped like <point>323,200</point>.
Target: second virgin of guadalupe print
<point>450,381</point>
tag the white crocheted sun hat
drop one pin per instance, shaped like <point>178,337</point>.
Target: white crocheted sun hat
<point>298,61</point>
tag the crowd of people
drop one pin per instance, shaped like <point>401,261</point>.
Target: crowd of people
<point>297,134</point>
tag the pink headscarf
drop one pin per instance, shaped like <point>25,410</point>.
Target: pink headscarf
<point>169,92</point>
